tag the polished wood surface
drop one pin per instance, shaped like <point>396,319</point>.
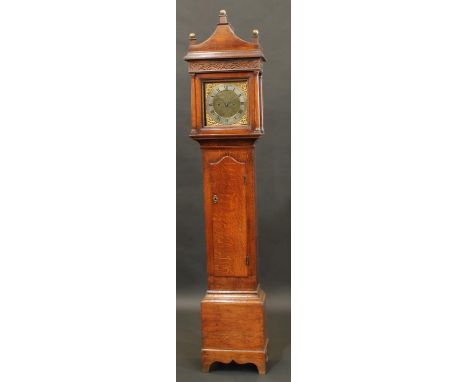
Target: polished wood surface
<point>254,128</point>
<point>228,217</point>
<point>223,44</point>
<point>233,310</point>
<point>230,224</point>
<point>234,329</point>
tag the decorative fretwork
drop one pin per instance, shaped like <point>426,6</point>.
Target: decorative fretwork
<point>225,65</point>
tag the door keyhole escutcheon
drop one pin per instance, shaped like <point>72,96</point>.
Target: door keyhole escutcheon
<point>215,199</point>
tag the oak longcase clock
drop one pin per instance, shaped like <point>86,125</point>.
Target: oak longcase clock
<point>226,86</point>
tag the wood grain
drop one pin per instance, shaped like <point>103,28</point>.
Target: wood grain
<point>233,310</point>
<point>223,44</point>
<point>233,328</point>
<point>227,184</point>
<point>233,218</point>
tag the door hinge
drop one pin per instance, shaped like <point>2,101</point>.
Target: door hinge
<point>247,260</point>
<point>245,179</point>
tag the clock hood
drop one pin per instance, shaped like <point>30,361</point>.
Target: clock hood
<point>224,43</point>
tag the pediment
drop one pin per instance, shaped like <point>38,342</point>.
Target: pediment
<point>224,43</point>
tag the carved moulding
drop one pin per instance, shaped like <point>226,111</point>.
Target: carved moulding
<point>225,65</point>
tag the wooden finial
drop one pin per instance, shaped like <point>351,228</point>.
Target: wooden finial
<point>192,38</point>
<point>255,35</point>
<point>222,17</point>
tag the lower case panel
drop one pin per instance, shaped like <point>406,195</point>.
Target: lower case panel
<point>233,329</point>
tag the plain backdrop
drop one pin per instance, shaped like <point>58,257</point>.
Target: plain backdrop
<point>88,190</point>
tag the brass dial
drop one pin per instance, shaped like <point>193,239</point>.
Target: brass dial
<point>226,103</point>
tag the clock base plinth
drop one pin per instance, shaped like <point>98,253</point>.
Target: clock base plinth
<point>258,358</point>
<point>233,328</point>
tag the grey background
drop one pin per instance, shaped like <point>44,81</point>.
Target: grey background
<point>273,166</point>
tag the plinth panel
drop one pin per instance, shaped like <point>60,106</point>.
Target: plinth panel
<point>233,329</point>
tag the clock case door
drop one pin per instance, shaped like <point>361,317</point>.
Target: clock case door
<point>254,127</point>
<point>230,216</point>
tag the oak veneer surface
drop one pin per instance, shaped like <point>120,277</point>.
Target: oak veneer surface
<point>230,222</point>
<point>229,217</point>
<point>234,323</point>
<point>233,310</point>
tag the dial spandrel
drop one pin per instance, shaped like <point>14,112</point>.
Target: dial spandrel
<point>225,103</point>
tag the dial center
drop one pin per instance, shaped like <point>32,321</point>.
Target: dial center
<point>226,103</point>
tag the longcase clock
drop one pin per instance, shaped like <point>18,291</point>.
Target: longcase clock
<point>226,86</point>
